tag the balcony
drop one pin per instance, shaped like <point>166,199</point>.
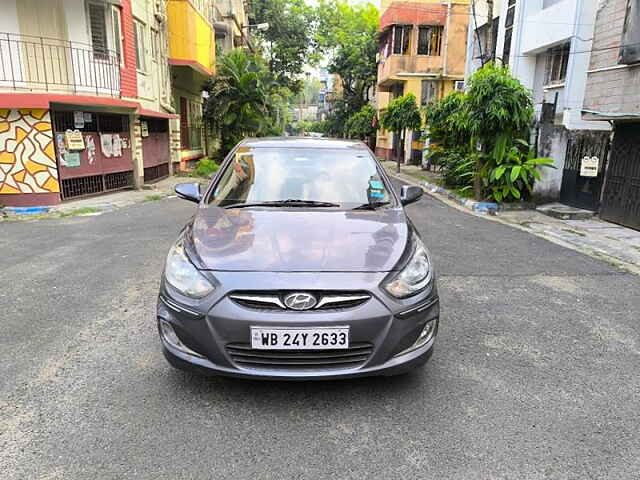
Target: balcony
<point>32,64</point>
<point>396,68</point>
<point>191,37</point>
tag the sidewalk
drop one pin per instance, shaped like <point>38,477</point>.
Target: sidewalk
<point>607,241</point>
<point>110,201</point>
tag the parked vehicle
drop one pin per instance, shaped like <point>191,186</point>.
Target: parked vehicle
<point>299,263</point>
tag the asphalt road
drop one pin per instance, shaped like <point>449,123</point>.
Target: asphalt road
<point>535,375</point>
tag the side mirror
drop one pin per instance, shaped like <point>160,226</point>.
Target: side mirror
<point>189,191</point>
<point>410,194</point>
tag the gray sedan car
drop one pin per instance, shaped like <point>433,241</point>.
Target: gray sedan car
<point>299,263</point>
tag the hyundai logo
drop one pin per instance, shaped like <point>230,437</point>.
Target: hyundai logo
<point>300,301</point>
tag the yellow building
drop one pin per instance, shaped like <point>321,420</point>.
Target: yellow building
<point>421,51</point>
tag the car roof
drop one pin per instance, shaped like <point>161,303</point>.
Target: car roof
<point>302,142</point>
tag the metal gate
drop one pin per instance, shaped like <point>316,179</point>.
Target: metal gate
<point>93,170</point>
<point>576,190</point>
<point>155,149</point>
<point>621,196</point>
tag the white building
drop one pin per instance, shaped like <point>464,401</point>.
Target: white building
<point>547,45</point>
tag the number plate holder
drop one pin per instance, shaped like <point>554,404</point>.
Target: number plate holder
<point>306,338</point>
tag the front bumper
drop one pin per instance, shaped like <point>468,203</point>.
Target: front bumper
<point>207,328</point>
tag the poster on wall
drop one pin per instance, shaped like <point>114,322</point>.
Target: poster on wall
<point>106,144</point>
<point>589,167</point>
<point>72,159</point>
<point>78,120</point>
<point>91,149</point>
<point>73,140</point>
<point>144,129</point>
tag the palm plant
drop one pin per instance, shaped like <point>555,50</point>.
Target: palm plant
<point>239,98</point>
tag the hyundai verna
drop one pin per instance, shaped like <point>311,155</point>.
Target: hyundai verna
<point>299,263</point>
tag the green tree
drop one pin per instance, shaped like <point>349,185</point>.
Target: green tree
<point>288,42</point>
<point>348,36</point>
<point>363,124</point>
<point>240,101</point>
<point>497,110</point>
<point>401,114</point>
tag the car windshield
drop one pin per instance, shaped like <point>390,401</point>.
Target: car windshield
<point>347,178</point>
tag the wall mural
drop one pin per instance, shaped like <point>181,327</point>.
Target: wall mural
<point>27,155</point>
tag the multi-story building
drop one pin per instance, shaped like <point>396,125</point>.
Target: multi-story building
<point>422,51</point>
<point>85,98</point>
<point>192,56</point>
<point>613,95</point>
<point>546,44</point>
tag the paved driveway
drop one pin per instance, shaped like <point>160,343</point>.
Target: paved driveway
<point>535,374</point>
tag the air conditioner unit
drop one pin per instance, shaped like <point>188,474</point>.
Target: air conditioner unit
<point>458,85</point>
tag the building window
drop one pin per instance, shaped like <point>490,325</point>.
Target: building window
<point>116,32</point>
<point>138,37</point>
<point>556,68</point>
<point>401,35</point>
<point>630,44</point>
<point>430,40</point>
<point>429,91</point>
<point>508,31</point>
<point>155,44</point>
<point>98,28</point>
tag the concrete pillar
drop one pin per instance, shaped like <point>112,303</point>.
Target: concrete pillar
<point>136,151</point>
<point>174,143</point>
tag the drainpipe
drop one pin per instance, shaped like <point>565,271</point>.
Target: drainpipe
<point>571,63</point>
<point>446,40</point>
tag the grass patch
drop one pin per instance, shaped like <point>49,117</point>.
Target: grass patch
<point>575,232</point>
<point>153,198</point>
<point>80,211</point>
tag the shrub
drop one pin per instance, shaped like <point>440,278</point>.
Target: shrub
<point>205,168</point>
<point>457,168</point>
<point>509,173</point>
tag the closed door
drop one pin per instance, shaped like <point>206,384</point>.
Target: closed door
<point>621,196</point>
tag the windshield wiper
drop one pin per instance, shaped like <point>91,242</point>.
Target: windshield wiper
<point>290,202</point>
<point>371,205</point>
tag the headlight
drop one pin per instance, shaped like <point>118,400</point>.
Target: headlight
<point>415,276</point>
<point>183,276</point>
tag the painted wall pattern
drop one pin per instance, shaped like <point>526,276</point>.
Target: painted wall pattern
<point>27,155</point>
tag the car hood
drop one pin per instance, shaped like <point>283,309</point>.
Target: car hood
<point>296,240</point>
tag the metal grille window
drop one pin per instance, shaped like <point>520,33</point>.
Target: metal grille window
<point>401,35</point>
<point>557,60</point>
<point>429,91</point>
<point>98,27</point>
<point>139,39</point>
<point>430,40</point>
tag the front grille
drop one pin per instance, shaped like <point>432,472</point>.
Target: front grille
<point>355,356</point>
<point>275,300</point>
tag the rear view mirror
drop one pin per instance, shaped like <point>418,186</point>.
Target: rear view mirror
<point>410,194</point>
<point>189,191</point>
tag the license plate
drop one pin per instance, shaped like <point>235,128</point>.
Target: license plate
<point>314,338</point>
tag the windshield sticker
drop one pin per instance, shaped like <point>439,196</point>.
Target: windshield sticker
<point>376,194</point>
<point>376,184</point>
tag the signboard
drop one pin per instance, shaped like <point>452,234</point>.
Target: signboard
<point>144,129</point>
<point>589,167</point>
<point>73,140</point>
<point>78,120</point>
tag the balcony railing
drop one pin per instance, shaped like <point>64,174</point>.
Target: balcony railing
<point>29,63</point>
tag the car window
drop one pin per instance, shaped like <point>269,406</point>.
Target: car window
<point>347,177</point>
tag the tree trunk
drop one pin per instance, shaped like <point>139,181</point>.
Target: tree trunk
<point>400,152</point>
<point>477,181</point>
